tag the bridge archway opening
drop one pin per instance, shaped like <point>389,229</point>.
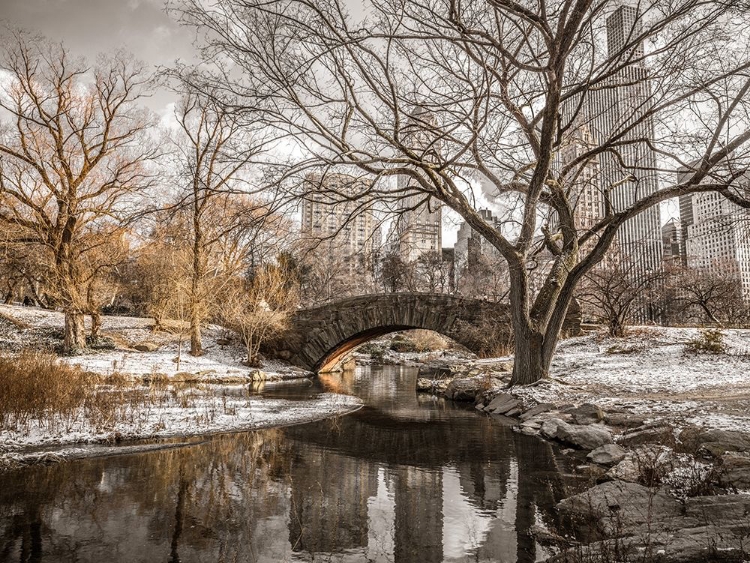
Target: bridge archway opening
<point>333,357</point>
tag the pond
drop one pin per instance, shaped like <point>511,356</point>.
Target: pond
<point>407,478</point>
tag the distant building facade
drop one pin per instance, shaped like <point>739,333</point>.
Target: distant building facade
<point>418,228</point>
<point>672,243</point>
<point>619,107</point>
<point>345,228</point>
<point>717,237</point>
<point>470,245</point>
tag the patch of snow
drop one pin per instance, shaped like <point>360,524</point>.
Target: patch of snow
<point>213,412</point>
<point>650,373</point>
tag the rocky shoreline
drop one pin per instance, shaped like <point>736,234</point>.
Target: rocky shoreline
<point>660,491</point>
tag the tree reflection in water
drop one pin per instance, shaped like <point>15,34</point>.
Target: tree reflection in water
<point>406,478</point>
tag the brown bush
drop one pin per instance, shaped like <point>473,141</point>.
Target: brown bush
<point>33,385</point>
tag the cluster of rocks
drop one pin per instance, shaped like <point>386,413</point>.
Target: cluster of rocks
<point>661,494</point>
<point>464,380</point>
<point>639,523</point>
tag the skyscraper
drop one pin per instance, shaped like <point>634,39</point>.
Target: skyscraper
<point>419,226</point>
<point>344,226</point>
<point>618,110</point>
<point>717,239</point>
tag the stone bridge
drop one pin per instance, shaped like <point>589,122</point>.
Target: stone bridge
<point>319,337</point>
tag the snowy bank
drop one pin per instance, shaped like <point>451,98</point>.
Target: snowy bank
<point>211,411</point>
<point>221,362</point>
<point>650,372</point>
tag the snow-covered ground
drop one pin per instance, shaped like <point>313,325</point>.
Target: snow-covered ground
<point>211,405</point>
<point>650,372</point>
<point>209,411</point>
<point>219,363</point>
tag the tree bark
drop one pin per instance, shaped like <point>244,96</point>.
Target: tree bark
<point>75,332</point>
<point>529,364</point>
<point>196,346</point>
<point>96,325</point>
<point>196,296</point>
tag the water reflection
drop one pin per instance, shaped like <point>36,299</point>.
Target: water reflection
<point>406,479</point>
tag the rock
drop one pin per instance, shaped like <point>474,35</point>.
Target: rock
<point>647,465</point>
<point>713,442</point>
<point>659,435</point>
<point>146,347</point>
<point>549,428</point>
<point>624,420</point>
<point>504,404</point>
<point>424,384</point>
<point>499,400</point>
<point>618,506</point>
<point>465,389</point>
<point>586,413</point>
<point>626,471</point>
<point>587,437</point>
<point>436,371</point>
<point>515,411</point>
<point>735,470</point>
<point>538,409</point>
<point>608,454</point>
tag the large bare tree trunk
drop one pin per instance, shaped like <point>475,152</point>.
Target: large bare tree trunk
<point>196,295</point>
<point>75,332</point>
<point>529,364</point>
<point>196,347</point>
<point>96,325</point>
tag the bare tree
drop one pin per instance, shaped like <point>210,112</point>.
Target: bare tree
<point>259,309</point>
<point>491,92</point>
<point>612,293</point>
<point>393,272</point>
<point>214,152</point>
<point>713,296</point>
<point>74,156</point>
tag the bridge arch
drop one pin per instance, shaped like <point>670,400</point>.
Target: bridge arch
<point>320,336</point>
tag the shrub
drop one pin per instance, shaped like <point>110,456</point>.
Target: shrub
<point>427,340</point>
<point>709,341</point>
<point>33,385</point>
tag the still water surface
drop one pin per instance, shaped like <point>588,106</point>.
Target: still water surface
<point>407,478</point>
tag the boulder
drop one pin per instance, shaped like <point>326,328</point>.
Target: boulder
<point>549,428</point>
<point>515,411</point>
<point>504,404</point>
<point>654,435</point>
<point>713,442</point>
<point>626,471</point>
<point>436,371</point>
<point>586,413</point>
<point>538,409</point>
<point>465,389</point>
<point>608,454</point>
<point>624,419</point>
<point>619,507</point>
<point>146,347</point>
<point>735,470</point>
<point>587,437</point>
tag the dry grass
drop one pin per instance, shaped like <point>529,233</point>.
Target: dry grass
<point>427,340</point>
<point>33,385</point>
<point>38,392</point>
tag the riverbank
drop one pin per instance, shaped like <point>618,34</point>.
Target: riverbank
<point>143,384</point>
<point>660,424</point>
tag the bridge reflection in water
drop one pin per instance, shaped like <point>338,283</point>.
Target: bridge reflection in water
<point>406,479</point>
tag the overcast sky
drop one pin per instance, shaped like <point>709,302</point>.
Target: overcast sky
<point>89,27</point>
